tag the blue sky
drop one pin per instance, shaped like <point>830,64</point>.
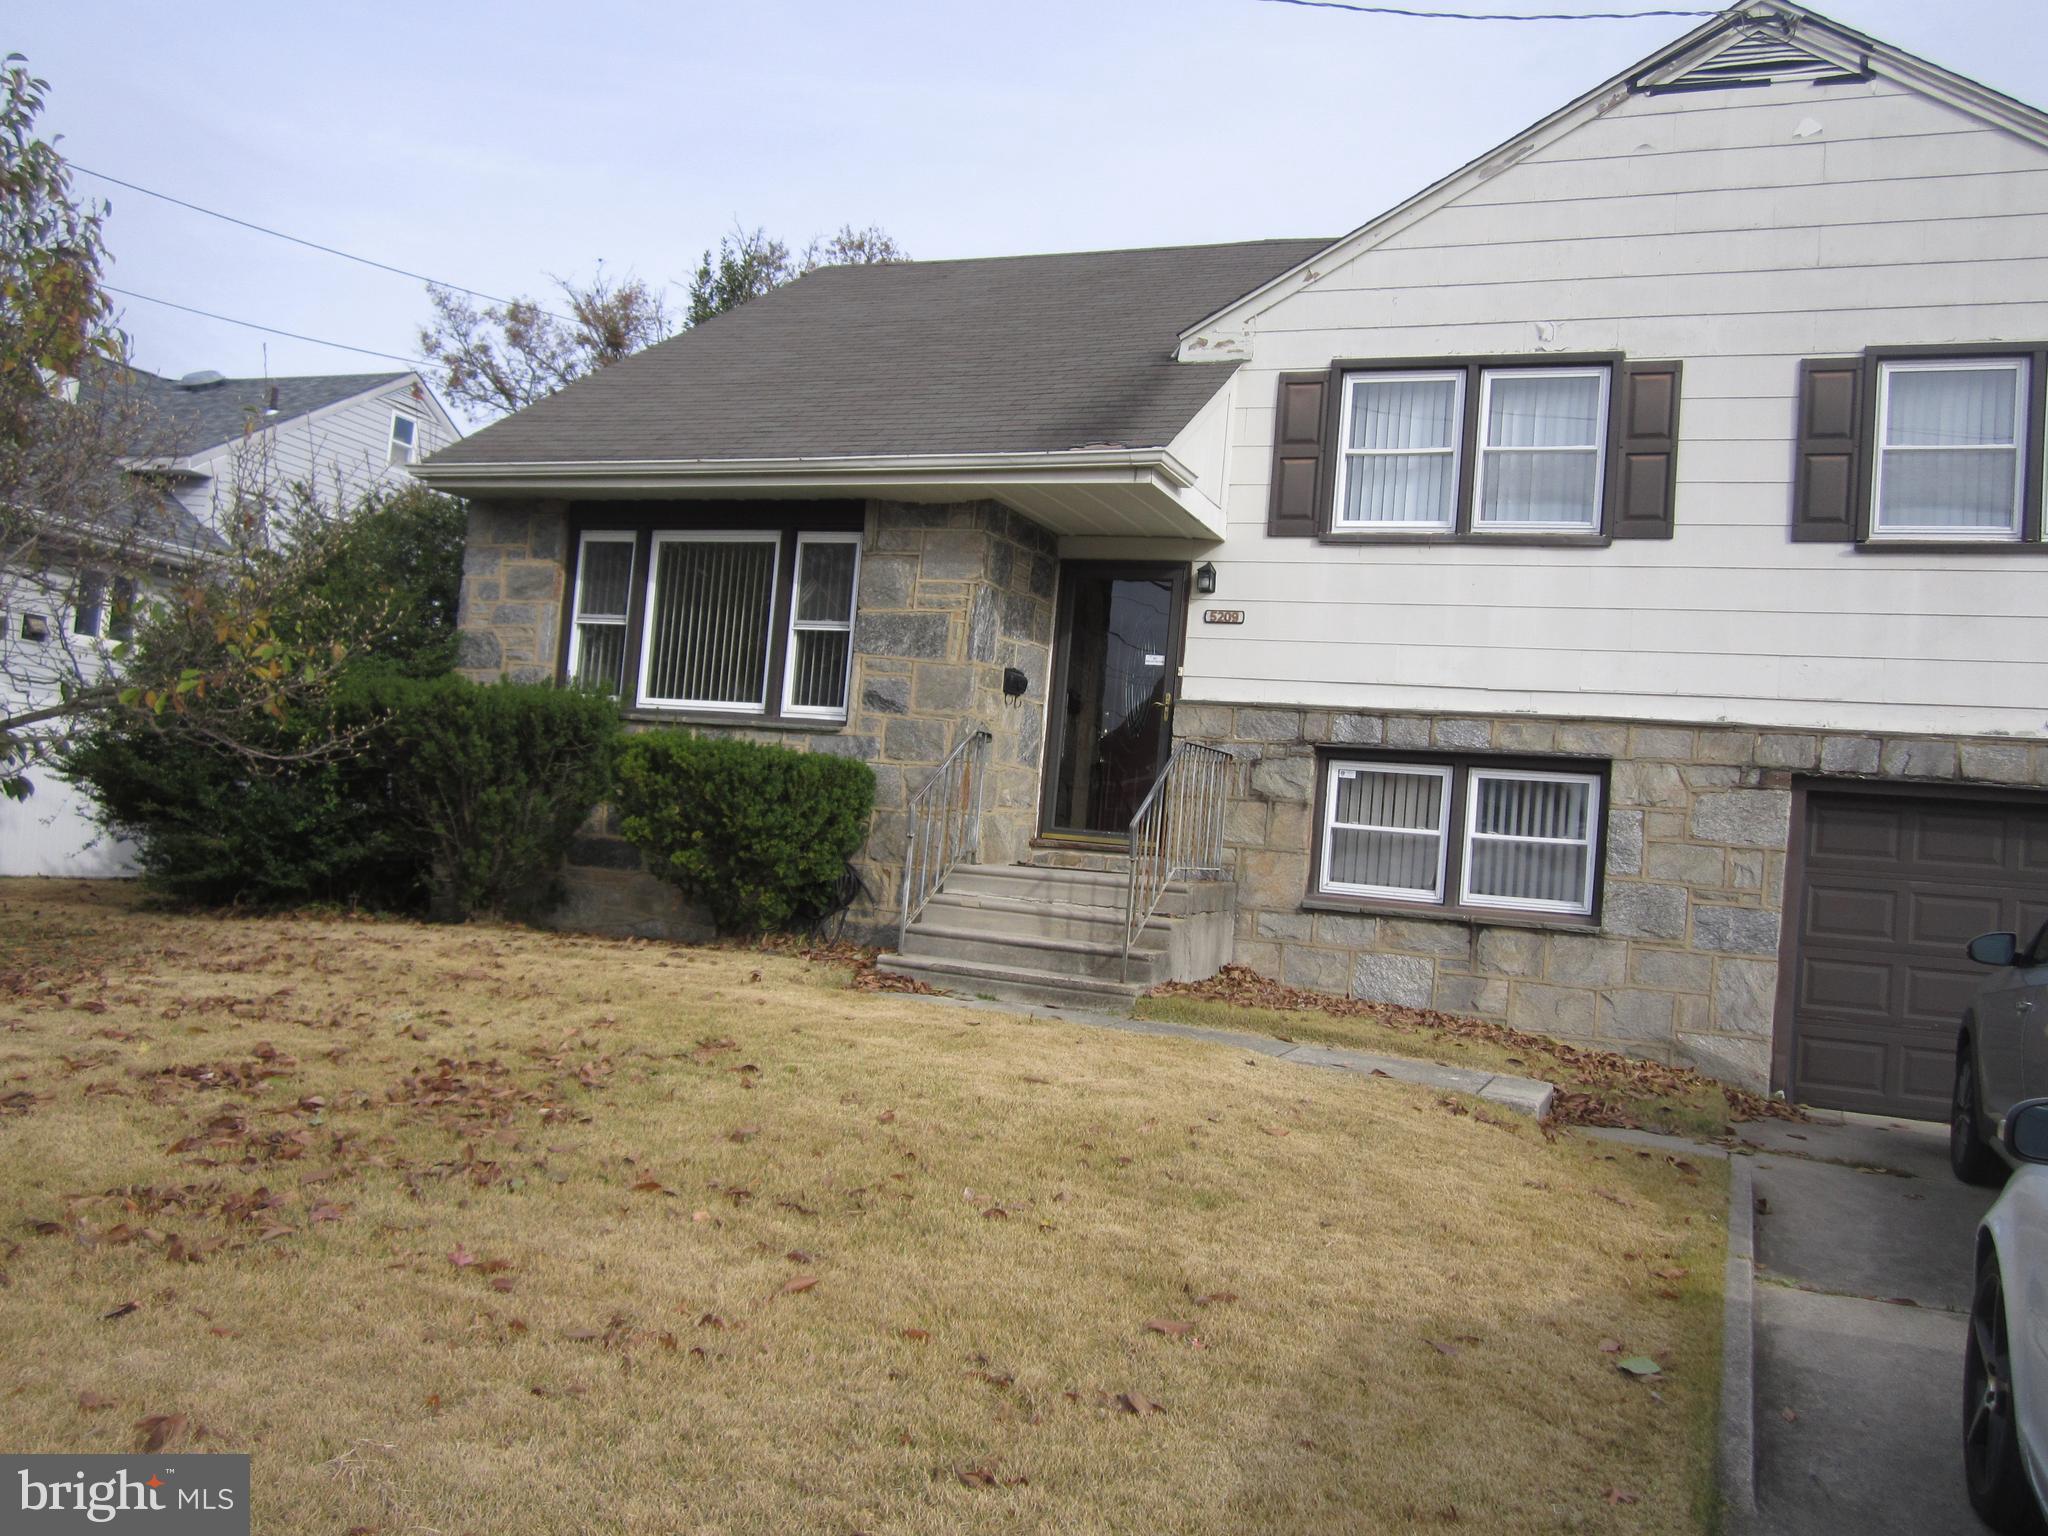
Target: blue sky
<point>495,144</point>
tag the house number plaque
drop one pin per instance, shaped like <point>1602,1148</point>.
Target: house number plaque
<point>1222,615</point>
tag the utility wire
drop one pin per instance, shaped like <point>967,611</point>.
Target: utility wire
<point>1396,10</point>
<point>311,245</point>
<point>396,357</point>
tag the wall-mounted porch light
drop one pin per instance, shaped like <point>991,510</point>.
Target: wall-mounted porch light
<point>1205,579</point>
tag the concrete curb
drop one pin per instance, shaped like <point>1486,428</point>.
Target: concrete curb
<point>1526,1095</point>
<point>1738,1348</point>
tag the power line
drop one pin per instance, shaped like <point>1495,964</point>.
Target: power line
<point>396,357</point>
<point>1396,10</point>
<point>311,245</point>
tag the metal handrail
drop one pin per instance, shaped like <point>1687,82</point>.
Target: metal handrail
<point>944,824</point>
<point>1177,831</point>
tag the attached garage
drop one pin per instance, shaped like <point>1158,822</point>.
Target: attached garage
<point>1887,889</point>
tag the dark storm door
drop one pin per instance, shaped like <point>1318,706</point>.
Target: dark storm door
<point>1116,665</point>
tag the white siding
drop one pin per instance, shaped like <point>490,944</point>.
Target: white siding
<point>1739,231</point>
<point>340,452</point>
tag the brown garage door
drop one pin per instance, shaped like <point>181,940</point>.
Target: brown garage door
<point>1893,889</point>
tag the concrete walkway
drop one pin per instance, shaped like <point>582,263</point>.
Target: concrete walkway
<point>1863,1265</point>
<point>1525,1094</point>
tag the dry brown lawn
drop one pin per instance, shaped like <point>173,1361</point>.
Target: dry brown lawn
<point>481,1229</point>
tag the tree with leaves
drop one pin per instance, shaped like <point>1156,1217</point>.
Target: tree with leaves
<point>751,263</point>
<point>504,356</point>
<point>88,544</point>
<point>495,358</point>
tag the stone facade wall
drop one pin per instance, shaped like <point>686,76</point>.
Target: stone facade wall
<point>1683,964</point>
<point>950,595</point>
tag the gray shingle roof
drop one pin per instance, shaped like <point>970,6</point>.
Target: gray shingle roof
<point>1010,354</point>
<point>187,421</point>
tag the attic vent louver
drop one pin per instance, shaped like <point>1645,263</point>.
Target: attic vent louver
<point>1761,57</point>
<point>205,378</point>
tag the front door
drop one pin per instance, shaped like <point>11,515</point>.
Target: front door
<point>1116,662</point>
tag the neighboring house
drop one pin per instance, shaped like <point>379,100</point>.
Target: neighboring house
<point>330,436</point>
<point>1619,570</point>
<point>210,445</point>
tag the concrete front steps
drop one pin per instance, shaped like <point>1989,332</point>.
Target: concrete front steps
<point>1032,934</point>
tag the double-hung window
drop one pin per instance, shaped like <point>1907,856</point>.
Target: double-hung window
<point>1951,448</point>
<point>1906,448</point>
<point>1400,436</point>
<point>597,628</point>
<point>752,621</point>
<point>405,431</point>
<point>1462,834</point>
<point>1542,449</point>
<point>1473,450</point>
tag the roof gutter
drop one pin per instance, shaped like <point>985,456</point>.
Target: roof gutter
<point>1078,466</point>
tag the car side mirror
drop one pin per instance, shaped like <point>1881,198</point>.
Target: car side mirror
<point>2025,1131</point>
<point>1994,948</point>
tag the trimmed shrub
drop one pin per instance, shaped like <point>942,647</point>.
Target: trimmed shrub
<point>440,793</point>
<point>494,781</point>
<point>760,835</point>
<point>218,828</point>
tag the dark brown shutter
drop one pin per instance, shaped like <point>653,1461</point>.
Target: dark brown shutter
<point>1645,482</point>
<point>1294,507</point>
<point>1830,463</point>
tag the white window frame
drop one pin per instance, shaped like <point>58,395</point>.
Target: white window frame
<point>1347,454</point>
<point>1602,429</point>
<point>2020,368</point>
<point>411,447</point>
<point>1335,773</point>
<point>577,618</point>
<point>642,698</point>
<point>833,626</point>
<point>1591,842</point>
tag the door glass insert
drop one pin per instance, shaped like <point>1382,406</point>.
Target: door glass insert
<point>1113,723</point>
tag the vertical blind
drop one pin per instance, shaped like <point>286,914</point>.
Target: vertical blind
<point>1530,841</point>
<point>1951,448</point>
<point>1387,830</point>
<point>1540,457</point>
<point>821,626</point>
<point>1401,457</point>
<point>604,581</point>
<point>708,621</point>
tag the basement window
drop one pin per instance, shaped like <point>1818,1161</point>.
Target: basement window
<point>1461,834</point>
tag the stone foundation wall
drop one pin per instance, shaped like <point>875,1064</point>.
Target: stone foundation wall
<point>950,595</point>
<point>1683,963</point>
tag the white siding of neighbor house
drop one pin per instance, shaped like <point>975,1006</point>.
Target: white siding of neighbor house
<point>1738,231</point>
<point>341,452</point>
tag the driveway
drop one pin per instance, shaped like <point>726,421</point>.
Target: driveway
<point>1863,1242</point>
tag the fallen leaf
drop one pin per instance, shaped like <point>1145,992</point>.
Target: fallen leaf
<point>798,1256</point>
<point>1616,1496</point>
<point>1789,1415</point>
<point>796,1285</point>
<point>92,1402</point>
<point>1639,1365</point>
<point>461,1257</point>
<point>121,1311</point>
<point>914,1335</point>
<point>1610,1346</point>
<point>1171,1329</point>
<point>1138,1403</point>
<point>1274,1130</point>
<point>158,1430</point>
<point>886,1117</point>
<point>1675,1272</point>
<point>1440,1347</point>
<point>1215,1298</point>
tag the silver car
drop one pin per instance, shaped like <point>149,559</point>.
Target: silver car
<point>2001,1052</point>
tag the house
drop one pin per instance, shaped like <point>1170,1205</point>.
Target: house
<point>216,453</point>
<point>1617,575</point>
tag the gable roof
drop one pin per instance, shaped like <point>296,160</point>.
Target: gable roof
<point>190,419</point>
<point>1748,43</point>
<point>1010,354</point>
